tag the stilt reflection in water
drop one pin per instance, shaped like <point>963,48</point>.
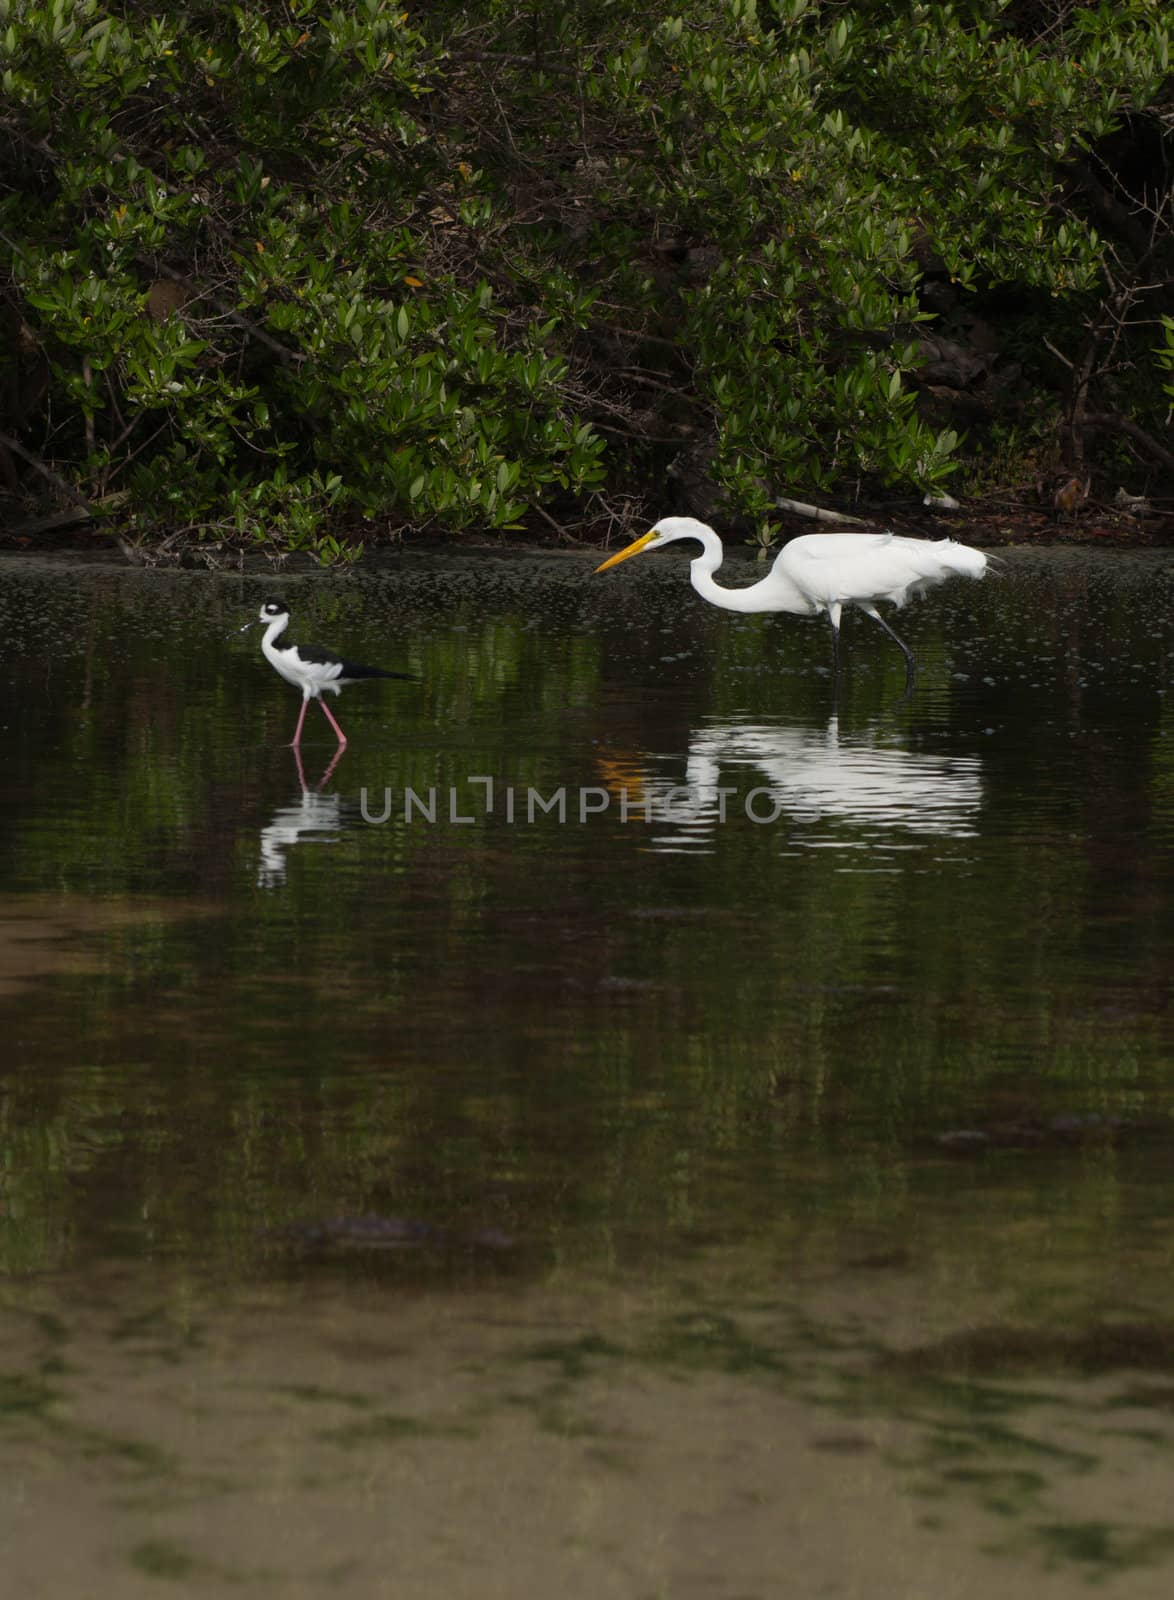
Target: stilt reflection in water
<point>312,814</point>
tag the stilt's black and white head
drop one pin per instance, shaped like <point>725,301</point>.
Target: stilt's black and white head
<point>271,611</point>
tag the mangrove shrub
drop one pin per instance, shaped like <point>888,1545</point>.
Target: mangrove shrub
<point>301,273</point>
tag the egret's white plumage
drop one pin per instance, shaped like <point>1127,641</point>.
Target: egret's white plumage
<point>822,572</point>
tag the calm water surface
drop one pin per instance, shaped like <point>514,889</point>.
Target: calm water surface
<point>620,1130</point>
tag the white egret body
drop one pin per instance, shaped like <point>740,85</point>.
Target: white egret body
<point>822,572</point>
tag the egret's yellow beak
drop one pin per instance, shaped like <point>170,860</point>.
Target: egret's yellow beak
<point>631,550</point>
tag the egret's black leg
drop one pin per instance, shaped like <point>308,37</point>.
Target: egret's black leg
<point>836,651</point>
<point>910,663</point>
<point>834,619</point>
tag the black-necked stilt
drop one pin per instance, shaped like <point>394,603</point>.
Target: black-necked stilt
<point>308,667</point>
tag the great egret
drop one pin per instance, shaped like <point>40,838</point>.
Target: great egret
<point>308,667</point>
<point>822,572</point>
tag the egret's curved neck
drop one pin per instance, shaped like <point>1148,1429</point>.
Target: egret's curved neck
<point>702,569</point>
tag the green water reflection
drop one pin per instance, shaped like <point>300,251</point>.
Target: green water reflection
<point>603,1027</point>
<point>917,1023</point>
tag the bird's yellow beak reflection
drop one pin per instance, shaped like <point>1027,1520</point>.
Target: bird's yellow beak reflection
<point>631,550</point>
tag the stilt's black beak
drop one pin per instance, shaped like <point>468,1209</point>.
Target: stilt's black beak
<point>245,629</point>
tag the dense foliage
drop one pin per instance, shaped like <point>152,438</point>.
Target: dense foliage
<point>297,273</point>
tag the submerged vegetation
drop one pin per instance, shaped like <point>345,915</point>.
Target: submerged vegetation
<point>298,275</point>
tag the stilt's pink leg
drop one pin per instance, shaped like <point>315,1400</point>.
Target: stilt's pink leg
<point>333,724</point>
<point>297,738</point>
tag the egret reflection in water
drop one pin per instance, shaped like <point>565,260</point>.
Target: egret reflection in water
<point>812,776</point>
<point>313,815</point>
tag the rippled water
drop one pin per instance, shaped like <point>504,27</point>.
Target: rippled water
<point>626,1121</point>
